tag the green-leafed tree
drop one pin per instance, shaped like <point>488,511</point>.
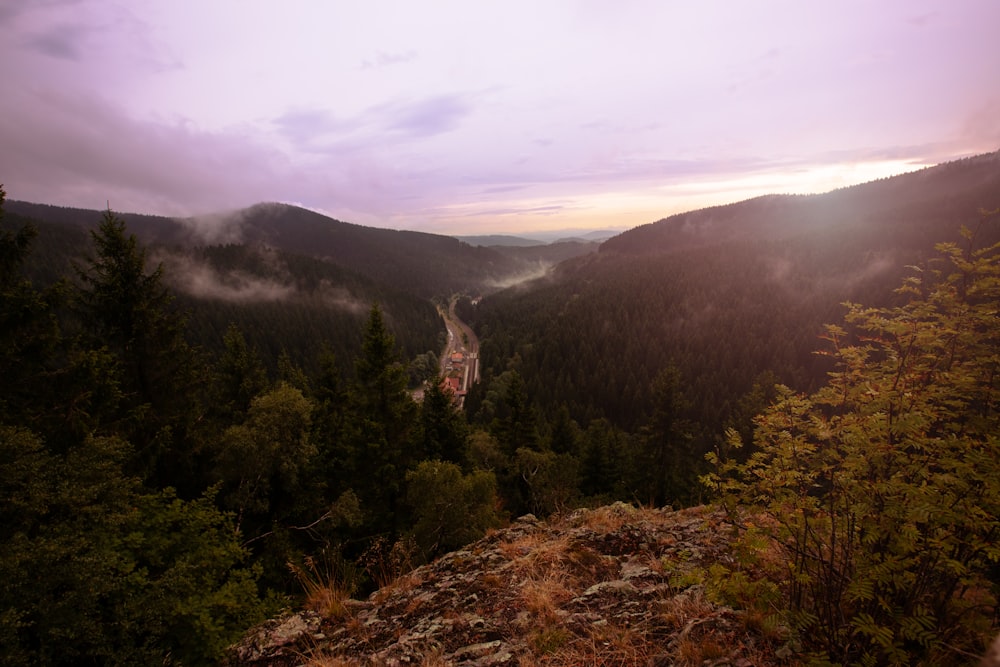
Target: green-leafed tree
<point>450,509</point>
<point>882,489</point>
<point>267,464</point>
<point>550,481</point>
<point>96,570</point>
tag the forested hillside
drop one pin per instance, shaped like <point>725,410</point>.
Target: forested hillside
<point>159,499</point>
<point>721,302</point>
<point>192,436</point>
<point>425,265</point>
<point>286,304</point>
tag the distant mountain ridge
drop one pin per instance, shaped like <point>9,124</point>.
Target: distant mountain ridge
<point>426,265</point>
<point>930,198</point>
<point>724,294</point>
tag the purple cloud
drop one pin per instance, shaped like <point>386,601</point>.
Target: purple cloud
<point>64,42</point>
<point>427,117</point>
<point>387,59</point>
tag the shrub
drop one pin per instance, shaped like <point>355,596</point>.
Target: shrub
<point>883,488</point>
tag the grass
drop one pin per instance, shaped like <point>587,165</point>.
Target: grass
<point>326,584</point>
<point>702,613</point>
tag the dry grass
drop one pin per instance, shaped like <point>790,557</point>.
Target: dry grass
<point>537,555</point>
<point>326,584</point>
<point>610,518</point>
<point>543,597</point>
<point>401,584</point>
<point>691,623</point>
<point>695,652</point>
<point>328,661</point>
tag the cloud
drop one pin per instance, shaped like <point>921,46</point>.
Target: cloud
<point>426,117</point>
<point>198,278</point>
<point>64,42</point>
<point>525,210</point>
<point>542,270</point>
<point>95,152</point>
<point>201,280</point>
<point>308,128</point>
<point>387,59</point>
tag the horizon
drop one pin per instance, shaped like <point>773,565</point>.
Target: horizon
<point>495,118</point>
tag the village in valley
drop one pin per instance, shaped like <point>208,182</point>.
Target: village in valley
<point>460,361</point>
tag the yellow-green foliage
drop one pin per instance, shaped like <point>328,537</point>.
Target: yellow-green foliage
<point>883,487</point>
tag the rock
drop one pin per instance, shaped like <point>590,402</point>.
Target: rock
<point>592,586</point>
<point>992,657</point>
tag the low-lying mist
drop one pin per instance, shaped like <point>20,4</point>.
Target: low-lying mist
<point>198,277</point>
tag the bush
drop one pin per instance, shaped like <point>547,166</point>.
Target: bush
<point>883,488</point>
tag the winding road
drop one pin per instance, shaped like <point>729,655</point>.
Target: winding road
<point>460,339</point>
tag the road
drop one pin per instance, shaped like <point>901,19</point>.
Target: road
<point>461,339</point>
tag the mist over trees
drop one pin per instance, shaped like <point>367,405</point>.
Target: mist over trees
<point>177,450</point>
<point>154,494</point>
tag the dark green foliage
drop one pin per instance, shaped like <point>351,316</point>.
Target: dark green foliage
<point>288,305</point>
<point>883,487</point>
<point>668,461</point>
<point>550,480</point>
<point>127,310</point>
<point>514,424</point>
<point>265,463</point>
<point>240,377</point>
<point>97,570</point>
<point>450,509</point>
<point>606,465</point>
<point>443,430</point>
<point>381,427</point>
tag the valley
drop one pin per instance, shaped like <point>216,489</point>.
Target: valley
<point>232,415</point>
<point>460,359</point>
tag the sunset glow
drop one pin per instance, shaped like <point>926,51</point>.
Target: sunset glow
<point>456,117</point>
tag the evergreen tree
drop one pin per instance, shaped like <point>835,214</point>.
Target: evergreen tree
<point>97,570</point>
<point>126,309</point>
<point>240,377</point>
<point>443,431</point>
<point>381,425</point>
<point>515,425</point>
<point>668,463</point>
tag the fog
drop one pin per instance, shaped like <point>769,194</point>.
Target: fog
<point>199,279</point>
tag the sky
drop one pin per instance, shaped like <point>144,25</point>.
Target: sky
<point>474,117</point>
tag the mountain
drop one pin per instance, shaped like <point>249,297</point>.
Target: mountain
<point>283,302</point>
<point>723,295</point>
<point>427,265</point>
<point>549,253</point>
<point>491,240</point>
<point>909,208</point>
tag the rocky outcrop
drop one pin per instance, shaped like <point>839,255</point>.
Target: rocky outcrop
<point>616,585</point>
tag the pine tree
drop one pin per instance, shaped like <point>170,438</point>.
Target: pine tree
<point>381,425</point>
<point>668,462</point>
<point>127,310</point>
<point>443,431</point>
